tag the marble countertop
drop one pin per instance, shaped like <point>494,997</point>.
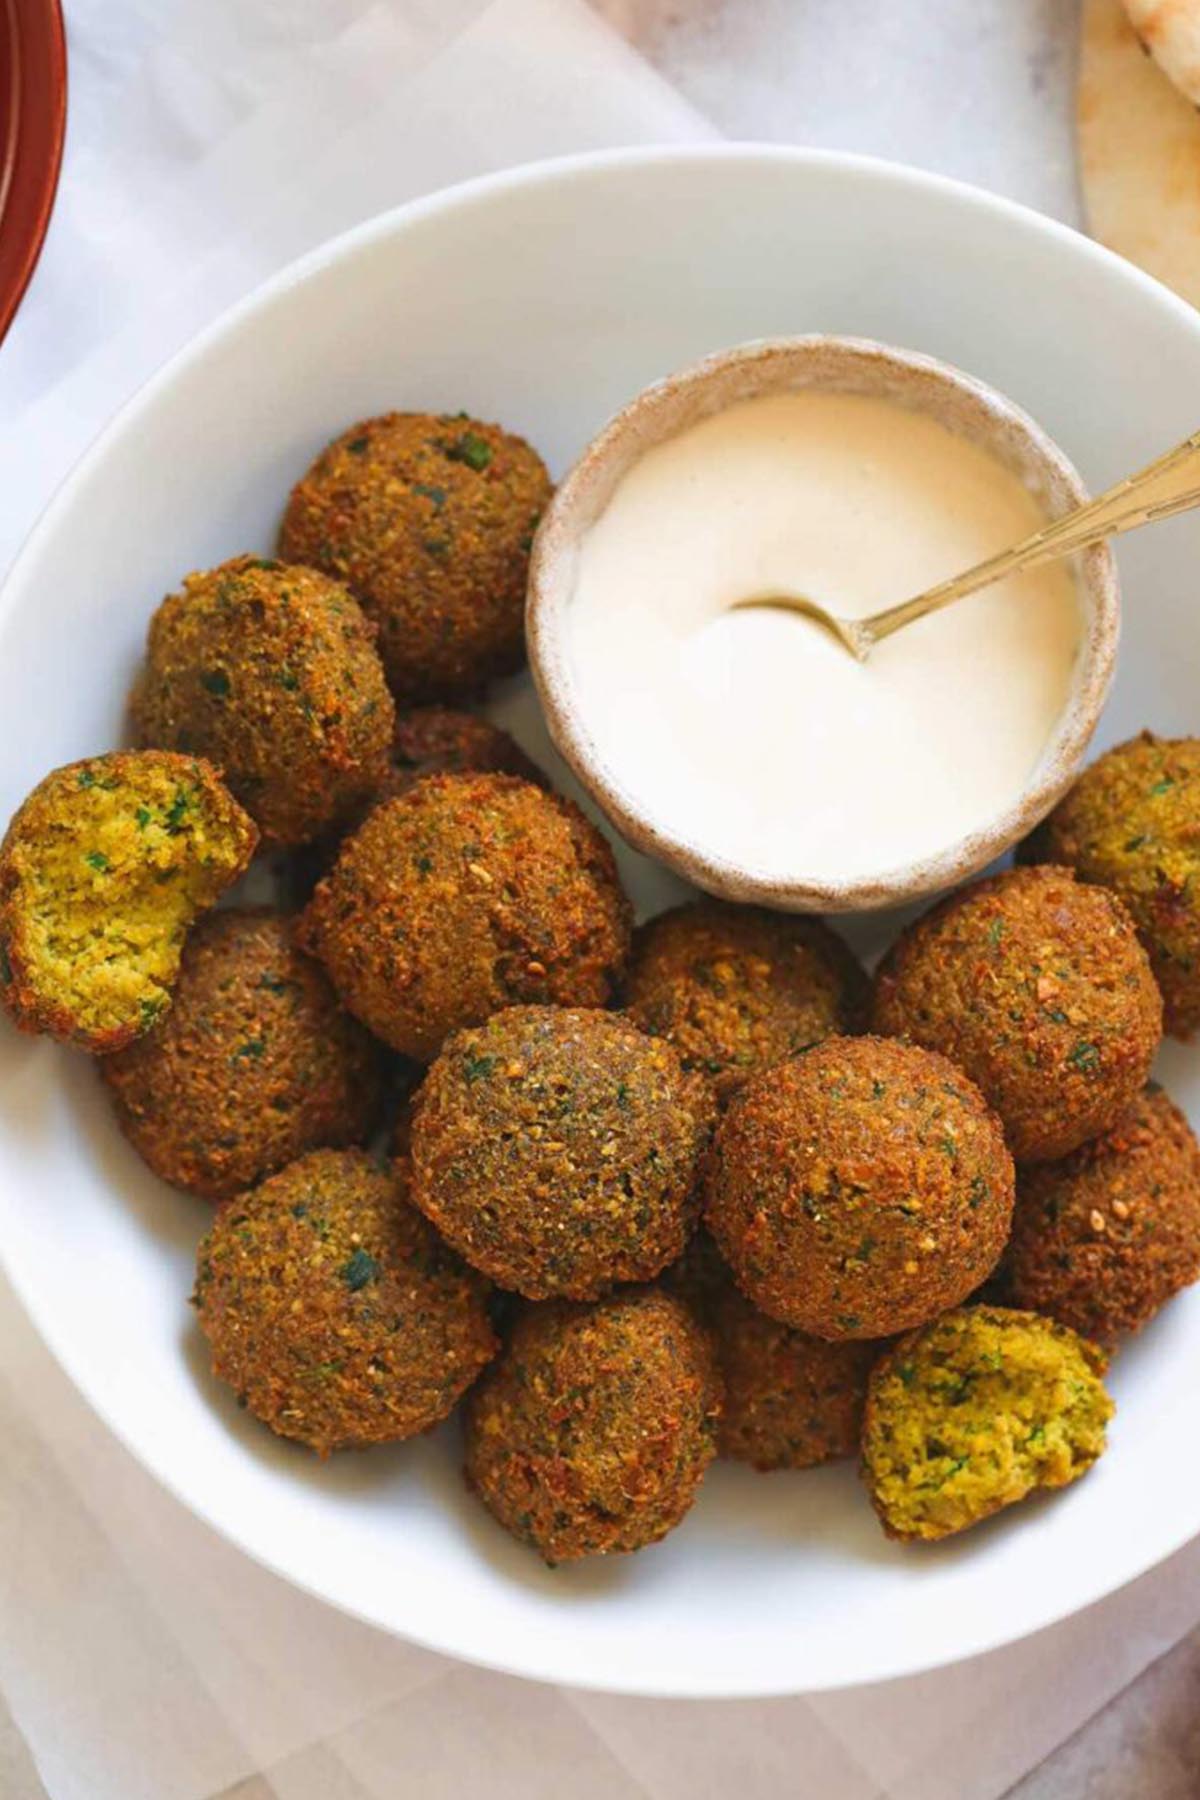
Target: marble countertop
<point>979,89</point>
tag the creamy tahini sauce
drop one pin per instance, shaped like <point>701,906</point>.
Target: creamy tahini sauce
<point>753,734</point>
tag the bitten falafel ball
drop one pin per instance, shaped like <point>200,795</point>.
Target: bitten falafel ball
<point>272,671</point>
<point>1131,823</point>
<point>974,1412</point>
<point>334,1310</point>
<point>557,1150</point>
<point>1104,1238</point>
<point>102,870</point>
<point>736,988</point>
<point>1038,987</point>
<point>430,520</point>
<point>466,894</point>
<point>859,1189</point>
<point>255,1063</point>
<point>592,1431</point>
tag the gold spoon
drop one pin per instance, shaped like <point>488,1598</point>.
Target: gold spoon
<point>1123,507</point>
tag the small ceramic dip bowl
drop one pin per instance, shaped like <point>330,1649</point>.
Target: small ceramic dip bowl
<point>692,839</point>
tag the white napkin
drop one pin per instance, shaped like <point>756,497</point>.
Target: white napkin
<point>140,1657</point>
<point>211,141</point>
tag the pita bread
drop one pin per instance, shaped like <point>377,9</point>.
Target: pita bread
<point>1170,30</point>
<point>1139,151</point>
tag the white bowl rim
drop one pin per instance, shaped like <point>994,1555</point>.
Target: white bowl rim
<point>975,1640</point>
<point>549,602</point>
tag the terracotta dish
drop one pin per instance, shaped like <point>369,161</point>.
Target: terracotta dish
<point>33,111</point>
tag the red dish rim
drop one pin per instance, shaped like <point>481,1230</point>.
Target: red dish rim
<point>33,89</point>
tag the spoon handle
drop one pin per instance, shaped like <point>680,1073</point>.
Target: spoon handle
<point>1138,500</point>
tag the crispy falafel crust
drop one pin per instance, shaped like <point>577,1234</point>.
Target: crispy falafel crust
<point>700,1276</point>
<point>557,1150</point>
<point>1106,1237</point>
<point>102,870</point>
<point>430,740</point>
<point>430,519</point>
<point>1131,823</point>
<point>592,1431</point>
<point>859,1189</point>
<point>1037,986</point>
<point>334,1310</point>
<point>467,894</point>
<point>973,1412</point>
<point>736,988</point>
<point>433,740</point>
<point>791,1400</point>
<point>255,1063</point>
<point>272,671</point>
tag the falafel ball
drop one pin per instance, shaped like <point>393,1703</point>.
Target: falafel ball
<point>502,1305</point>
<point>1131,823</point>
<point>333,1309</point>
<point>434,740</point>
<point>736,988</point>
<point>791,1400</point>
<point>557,1150</point>
<point>255,1063</point>
<point>974,1412</point>
<point>859,1189</point>
<point>430,520</point>
<point>272,671</point>
<point>466,894</point>
<point>1037,986</point>
<point>102,870</point>
<point>593,1429</point>
<point>700,1276</point>
<point>1104,1238</point>
<point>430,740</point>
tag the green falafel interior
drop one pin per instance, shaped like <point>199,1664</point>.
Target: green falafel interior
<point>973,1412</point>
<point>102,871</point>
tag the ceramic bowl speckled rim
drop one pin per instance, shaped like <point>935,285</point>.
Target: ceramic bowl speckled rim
<point>826,363</point>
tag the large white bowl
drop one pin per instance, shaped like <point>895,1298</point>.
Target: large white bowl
<point>545,298</point>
